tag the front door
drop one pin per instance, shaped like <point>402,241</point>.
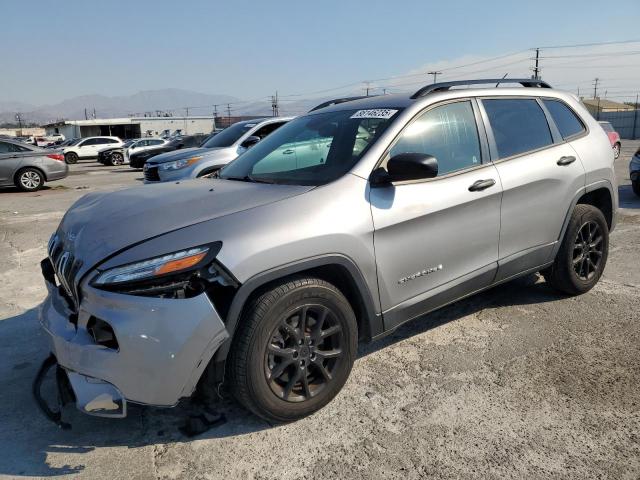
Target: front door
<point>437,240</point>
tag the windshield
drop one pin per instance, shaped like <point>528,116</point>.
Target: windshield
<point>75,142</point>
<point>128,143</point>
<point>229,135</point>
<point>311,150</point>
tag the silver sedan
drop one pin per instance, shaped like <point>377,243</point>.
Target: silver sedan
<point>28,167</point>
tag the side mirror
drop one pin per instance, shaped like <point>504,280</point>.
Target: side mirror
<point>132,147</point>
<point>404,167</point>
<point>250,141</point>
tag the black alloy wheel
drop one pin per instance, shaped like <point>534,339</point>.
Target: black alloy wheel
<point>304,352</point>
<point>587,250</point>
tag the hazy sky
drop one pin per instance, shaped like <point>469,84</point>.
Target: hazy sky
<point>54,50</point>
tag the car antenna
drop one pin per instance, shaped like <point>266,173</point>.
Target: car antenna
<point>503,77</point>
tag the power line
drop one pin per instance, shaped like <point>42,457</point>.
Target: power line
<point>594,44</point>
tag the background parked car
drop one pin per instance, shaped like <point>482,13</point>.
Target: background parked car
<point>137,159</point>
<point>614,138</point>
<point>214,153</point>
<point>88,148</point>
<point>634,172</point>
<point>28,167</point>
<point>104,154</point>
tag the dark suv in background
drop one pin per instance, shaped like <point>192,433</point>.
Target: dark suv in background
<point>137,159</point>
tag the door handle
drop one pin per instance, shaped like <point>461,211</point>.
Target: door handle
<point>482,184</point>
<point>566,160</point>
<point>287,152</point>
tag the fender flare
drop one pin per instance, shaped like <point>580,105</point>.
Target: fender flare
<point>579,194</point>
<point>372,321</point>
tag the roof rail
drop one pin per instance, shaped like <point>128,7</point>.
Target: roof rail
<point>443,86</point>
<point>336,101</point>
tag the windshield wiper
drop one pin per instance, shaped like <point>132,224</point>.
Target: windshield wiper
<point>248,178</point>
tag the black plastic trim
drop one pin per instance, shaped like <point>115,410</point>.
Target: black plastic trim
<point>372,320</point>
<point>444,86</point>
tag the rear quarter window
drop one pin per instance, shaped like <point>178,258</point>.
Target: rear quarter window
<point>565,119</point>
<point>518,125</point>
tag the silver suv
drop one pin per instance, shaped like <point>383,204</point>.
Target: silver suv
<point>213,154</point>
<point>340,226</point>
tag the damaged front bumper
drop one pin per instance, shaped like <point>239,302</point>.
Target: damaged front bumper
<point>161,346</point>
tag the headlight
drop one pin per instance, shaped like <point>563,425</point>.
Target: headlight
<point>178,164</point>
<point>154,267</point>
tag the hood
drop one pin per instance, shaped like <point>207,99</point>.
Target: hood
<point>102,224</point>
<point>180,154</point>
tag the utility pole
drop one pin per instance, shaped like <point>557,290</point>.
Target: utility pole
<point>384,91</point>
<point>536,69</point>
<point>85,114</point>
<point>595,88</point>
<point>435,75</point>
<point>366,88</point>
<point>187,110</point>
<point>274,104</point>
<point>19,119</point>
<point>635,120</point>
<point>228,114</point>
<point>94,113</point>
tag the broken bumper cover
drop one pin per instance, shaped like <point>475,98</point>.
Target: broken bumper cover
<point>164,346</point>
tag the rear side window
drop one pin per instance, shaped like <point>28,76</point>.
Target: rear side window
<point>606,127</point>
<point>566,121</point>
<point>519,125</point>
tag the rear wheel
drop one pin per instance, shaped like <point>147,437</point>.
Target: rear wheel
<point>616,150</point>
<point>71,157</point>
<point>294,349</point>
<point>29,180</point>
<point>116,158</point>
<point>583,252</point>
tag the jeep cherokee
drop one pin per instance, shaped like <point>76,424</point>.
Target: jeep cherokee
<point>340,226</point>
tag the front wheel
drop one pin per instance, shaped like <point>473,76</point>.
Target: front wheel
<point>294,349</point>
<point>116,159</point>
<point>71,158</point>
<point>583,252</point>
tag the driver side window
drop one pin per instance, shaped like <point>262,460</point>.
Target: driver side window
<point>447,132</point>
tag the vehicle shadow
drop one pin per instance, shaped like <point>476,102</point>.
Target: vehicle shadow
<point>27,438</point>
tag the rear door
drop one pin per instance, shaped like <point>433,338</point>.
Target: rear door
<point>437,239</point>
<point>540,174</point>
<point>10,160</point>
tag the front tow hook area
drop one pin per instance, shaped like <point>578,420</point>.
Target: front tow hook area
<point>91,395</point>
<point>64,392</point>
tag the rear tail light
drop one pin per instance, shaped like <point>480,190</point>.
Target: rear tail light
<point>56,156</point>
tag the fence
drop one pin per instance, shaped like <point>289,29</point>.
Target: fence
<point>626,123</point>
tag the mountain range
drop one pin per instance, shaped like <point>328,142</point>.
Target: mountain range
<point>149,101</point>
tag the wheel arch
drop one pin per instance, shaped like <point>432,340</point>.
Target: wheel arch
<point>339,270</point>
<point>600,195</point>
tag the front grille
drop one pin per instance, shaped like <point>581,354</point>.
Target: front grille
<point>151,174</point>
<point>66,267</point>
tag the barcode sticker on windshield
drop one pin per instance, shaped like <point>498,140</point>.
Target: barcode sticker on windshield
<point>375,113</point>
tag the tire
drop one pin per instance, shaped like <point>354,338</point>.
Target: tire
<point>71,158</point>
<point>116,159</point>
<point>269,365</point>
<point>583,252</point>
<point>616,150</point>
<point>635,185</point>
<point>29,179</point>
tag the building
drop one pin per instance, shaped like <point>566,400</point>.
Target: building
<point>22,132</point>
<point>133,127</point>
<point>225,121</point>
<point>599,105</point>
